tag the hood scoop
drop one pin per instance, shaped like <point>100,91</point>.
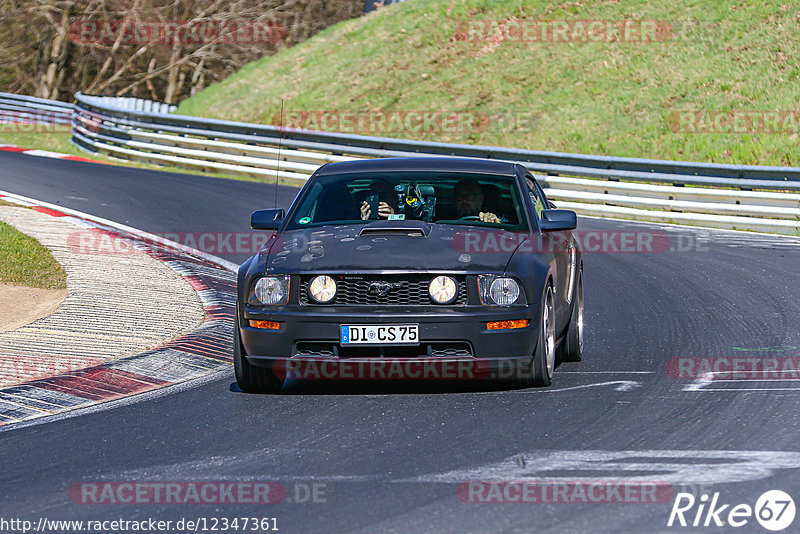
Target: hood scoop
<point>408,228</point>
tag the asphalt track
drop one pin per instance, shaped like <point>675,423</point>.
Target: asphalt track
<point>390,456</point>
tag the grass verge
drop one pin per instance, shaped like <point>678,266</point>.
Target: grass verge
<point>26,262</point>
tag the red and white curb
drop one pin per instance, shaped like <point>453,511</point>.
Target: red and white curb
<point>202,352</point>
<point>48,154</point>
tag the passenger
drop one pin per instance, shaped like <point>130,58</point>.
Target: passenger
<point>385,193</point>
<point>468,198</point>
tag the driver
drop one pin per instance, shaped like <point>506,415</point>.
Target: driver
<point>468,197</point>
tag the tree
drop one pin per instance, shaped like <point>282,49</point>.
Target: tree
<point>164,50</point>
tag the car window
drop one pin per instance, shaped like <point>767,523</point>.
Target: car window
<point>537,196</point>
<point>436,197</point>
<point>540,190</point>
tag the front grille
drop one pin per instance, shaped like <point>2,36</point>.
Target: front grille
<point>409,290</point>
<point>454,350</point>
<point>306,349</point>
<point>433,349</point>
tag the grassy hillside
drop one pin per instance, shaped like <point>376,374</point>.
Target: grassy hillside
<point>615,98</point>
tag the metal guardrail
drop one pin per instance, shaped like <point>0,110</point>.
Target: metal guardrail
<point>32,110</point>
<point>359,145</point>
<point>34,102</point>
<point>134,104</point>
<point>629,188</point>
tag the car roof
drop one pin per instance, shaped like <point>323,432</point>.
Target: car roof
<point>421,164</point>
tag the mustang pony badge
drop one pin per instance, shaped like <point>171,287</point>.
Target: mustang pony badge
<point>381,289</point>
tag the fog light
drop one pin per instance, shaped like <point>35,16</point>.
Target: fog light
<point>443,289</point>
<point>503,325</point>
<point>322,289</point>
<point>271,325</point>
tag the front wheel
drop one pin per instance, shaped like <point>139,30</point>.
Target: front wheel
<point>544,357</point>
<point>250,378</point>
<point>571,350</point>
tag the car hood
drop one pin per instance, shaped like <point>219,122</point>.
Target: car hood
<point>390,245</point>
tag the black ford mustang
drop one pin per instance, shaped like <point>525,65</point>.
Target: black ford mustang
<point>411,268</point>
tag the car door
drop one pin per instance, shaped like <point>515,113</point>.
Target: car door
<point>562,245</point>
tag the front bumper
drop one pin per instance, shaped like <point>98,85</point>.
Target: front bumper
<point>446,334</point>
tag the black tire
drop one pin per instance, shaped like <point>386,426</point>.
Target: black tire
<point>251,379</point>
<point>543,362</point>
<point>571,349</point>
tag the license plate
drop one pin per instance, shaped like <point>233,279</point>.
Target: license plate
<point>363,334</point>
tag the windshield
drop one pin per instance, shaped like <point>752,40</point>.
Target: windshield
<point>452,198</point>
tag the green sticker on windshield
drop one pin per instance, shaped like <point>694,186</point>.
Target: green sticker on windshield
<point>304,220</point>
<point>397,217</point>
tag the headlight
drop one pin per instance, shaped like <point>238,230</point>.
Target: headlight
<point>322,289</point>
<point>271,290</point>
<point>498,290</point>
<point>442,289</point>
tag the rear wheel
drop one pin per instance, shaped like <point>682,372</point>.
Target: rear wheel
<point>544,357</point>
<point>249,377</point>
<point>571,349</point>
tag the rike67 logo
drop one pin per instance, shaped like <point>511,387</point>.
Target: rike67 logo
<point>774,510</point>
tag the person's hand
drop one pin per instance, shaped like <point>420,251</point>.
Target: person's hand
<point>489,217</point>
<point>384,210</point>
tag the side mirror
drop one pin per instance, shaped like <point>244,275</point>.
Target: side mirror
<point>553,220</point>
<point>266,219</point>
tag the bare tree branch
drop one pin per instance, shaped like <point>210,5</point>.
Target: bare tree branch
<point>46,53</point>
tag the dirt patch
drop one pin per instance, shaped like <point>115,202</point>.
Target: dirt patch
<point>22,305</point>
